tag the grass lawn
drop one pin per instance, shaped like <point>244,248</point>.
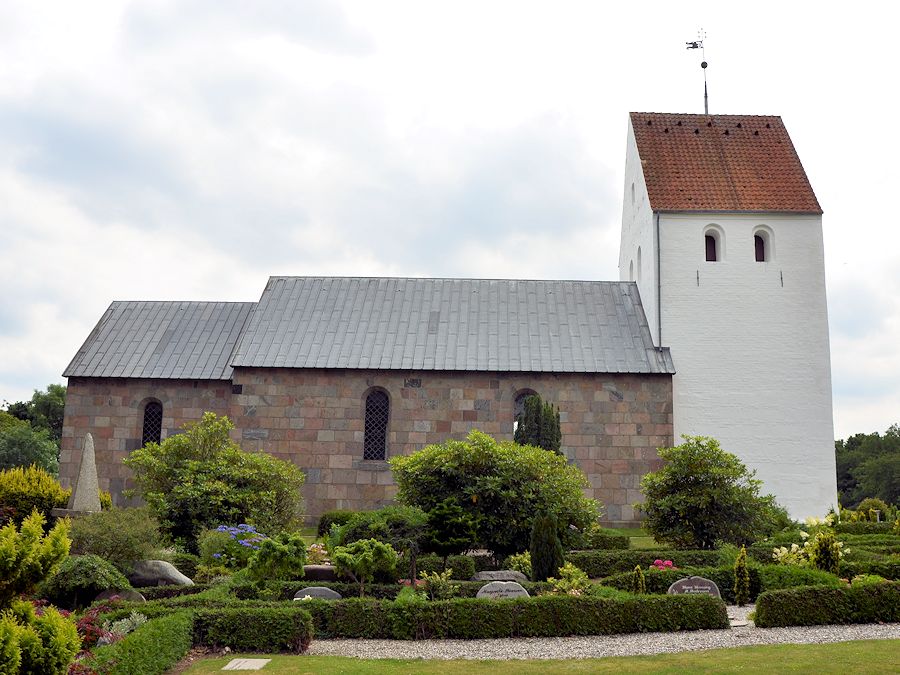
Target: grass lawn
<point>864,656</point>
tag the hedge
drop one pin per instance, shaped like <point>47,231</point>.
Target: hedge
<point>888,568</point>
<point>599,564</point>
<point>543,616</point>
<point>814,606</point>
<point>463,566</point>
<point>160,592</point>
<point>864,528</point>
<point>153,648</point>
<point>762,579</point>
<point>286,590</point>
<point>255,629</point>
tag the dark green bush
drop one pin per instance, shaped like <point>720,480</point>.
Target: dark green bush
<point>546,548</point>
<point>255,629</point>
<point>813,606</point>
<point>544,616</point>
<point>151,649</point>
<point>864,528</point>
<point>79,579</point>
<point>601,539</point>
<point>403,527</point>
<point>889,568</point>
<point>597,564</point>
<point>186,563</point>
<point>463,566</point>
<point>329,518</point>
<point>119,536</point>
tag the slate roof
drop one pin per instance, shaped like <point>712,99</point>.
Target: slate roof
<point>450,324</point>
<point>721,163</point>
<point>168,340</point>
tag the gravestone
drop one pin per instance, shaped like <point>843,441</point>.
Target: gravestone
<point>694,586</point>
<point>318,592</point>
<point>502,590</point>
<point>128,595</point>
<point>500,575</point>
<point>86,491</point>
<point>320,573</point>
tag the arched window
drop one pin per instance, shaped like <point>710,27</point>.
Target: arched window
<point>714,244</point>
<point>759,245</point>
<point>152,430</point>
<point>631,271</point>
<point>378,411</point>
<point>762,244</point>
<point>639,264</point>
<point>519,406</point>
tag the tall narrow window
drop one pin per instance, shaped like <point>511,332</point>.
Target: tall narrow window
<point>639,264</point>
<point>152,431</point>
<point>378,409</point>
<point>711,248</point>
<point>759,244</point>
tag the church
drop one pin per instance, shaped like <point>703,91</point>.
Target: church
<point>718,326</point>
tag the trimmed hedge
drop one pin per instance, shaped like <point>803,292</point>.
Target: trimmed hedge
<point>462,565</point>
<point>287,589</point>
<point>889,568</point>
<point>255,629</point>
<point>161,592</point>
<point>543,616</point>
<point>598,564</point>
<point>814,606</point>
<point>864,528</point>
<point>604,539</point>
<point>153,648</point>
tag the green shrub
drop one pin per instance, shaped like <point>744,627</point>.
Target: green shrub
<point>813,606</point>
<point>363,559</point>
<point>605,563</point>
<point>255,629</point>
<point>538,425</point>
<point>27,556</point>
<point>278,559</point>
<point>825,552</point>
<point>889,567</point>
<point>201,478</point>
<point>638,581</point>
<point>519,562</point>
<point>79,579</point>
<point>704,495</point>
<point>161,592</point>
<point>867,580</point>
<point>544,616</point>
<point>288,589</point>
<point>500,484</point>
<point>546,548</point>
<point>569,580</point>
<point>404,528</point>
<point>47,641</point>
<point>229,545</point>
<point>864,528</point>
<point>21,445</point>
<point>869,505</point>
<point>10,653</point>
<point>437,585</point>
<point>186,563</point>
<point>462,567</point>
<point>329,518</point>
<point>24,489</point>
<point>451,530</point>
<point>152,649</point>
<point>596,538</point>
<point>120,536</point>
<point>741,579</point>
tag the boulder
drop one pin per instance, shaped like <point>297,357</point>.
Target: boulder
<point>157,573</point>
<point>500,575</point>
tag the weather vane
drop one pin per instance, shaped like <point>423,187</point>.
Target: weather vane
<point>698,44</point>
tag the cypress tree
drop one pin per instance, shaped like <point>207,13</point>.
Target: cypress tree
<point>547,554</point>
<point>538,425</point>
<point>638,582</point>
<point>741,579</point>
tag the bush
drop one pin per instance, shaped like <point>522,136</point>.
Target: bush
<point>638,581</point>
<point>538,425</point>
<point>403,527</point>
<point>741,579</point>
<point>186,563</point>
<point>201,478</point>
<point>329,518</point>
<point>27,556</point>
<point>451,530</point>
<point>10,654</point>
<point>889,568</point>
<point>23,446</point>
<point>544,616</point>
<point>500,484</point>
<point>27,488</point>
<point>363,559</point>
<point>162,592</point>
<point>569,580</point>
<point>519,562</point>
<point>120,536</point>
<point>229,545</point>
<point>814,606</point>
<point>152,649</point>
<point>278,559</point>
<point>869,505</point>
<point>80,579</point>
<point>437,585</point>
<point>255,629</point>
<point>864,528</point>
<point>605,563</point>
<point>704,495</point>
<point>825,552</point>
<point>596,538</point>
<point>47,641</point>
<point>546,549</point>
<point>462,567</point>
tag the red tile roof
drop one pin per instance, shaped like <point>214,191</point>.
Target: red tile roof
<point>721,163</point>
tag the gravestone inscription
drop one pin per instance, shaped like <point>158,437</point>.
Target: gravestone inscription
<point>501,590</point>
<point>694,586</point>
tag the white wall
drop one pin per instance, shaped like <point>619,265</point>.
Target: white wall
<point>750,346</point>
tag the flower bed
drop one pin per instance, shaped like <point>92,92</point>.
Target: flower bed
<point>597,564</point>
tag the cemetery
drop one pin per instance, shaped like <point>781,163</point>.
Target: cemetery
<point>476,547</point>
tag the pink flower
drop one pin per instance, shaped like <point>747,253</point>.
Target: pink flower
<point>657,562</point>
<point>668,563</point>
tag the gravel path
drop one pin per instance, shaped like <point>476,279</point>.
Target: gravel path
<point>613,645</point>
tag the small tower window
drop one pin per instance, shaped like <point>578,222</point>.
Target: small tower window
<point>631,271</point>
<point>762,244</point>
<point>711,249</point>
<point>759,244</point>
<point>632,194</point>
<point>378,410</point>
<point>152,429</point>
<point>639,264</point>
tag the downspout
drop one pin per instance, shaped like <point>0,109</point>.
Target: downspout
<point>658,288</point>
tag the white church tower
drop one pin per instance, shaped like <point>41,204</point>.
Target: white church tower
<point>722,232</point>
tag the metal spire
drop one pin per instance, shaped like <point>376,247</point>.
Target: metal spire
<point>698,44</point>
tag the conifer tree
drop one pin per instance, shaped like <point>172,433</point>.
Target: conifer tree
<point>741,579</point>
<point>538,425</point>
<point>547,554</point>
<point>638,582</point>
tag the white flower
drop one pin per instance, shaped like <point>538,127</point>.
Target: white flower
<point>804,535</point>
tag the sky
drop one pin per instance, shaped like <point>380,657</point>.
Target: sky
<point>188,150</point>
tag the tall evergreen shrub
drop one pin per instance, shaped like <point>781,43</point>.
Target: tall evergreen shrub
<point>547,554</point>
<point>538,425</point>
<point>741,579</point>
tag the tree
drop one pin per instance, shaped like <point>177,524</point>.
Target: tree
<point>741,579</point>
<point>501,485</point>
<point>868,465</point>
<point>20,445</point>
<point>200,479</point>
<point>403,527</point>
<point>704,495</point>
<point>44,410</point>
<point>547,554</point>
<point>363,559</point>
<point>450,530</point>
<point>538,425</point>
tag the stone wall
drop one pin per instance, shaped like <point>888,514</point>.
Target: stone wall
<point>112,410</point>
<point>611,424</point>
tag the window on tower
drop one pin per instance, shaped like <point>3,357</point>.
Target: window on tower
<point>762,244</point>
<point>711,248</point>
<point>713,244</point>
